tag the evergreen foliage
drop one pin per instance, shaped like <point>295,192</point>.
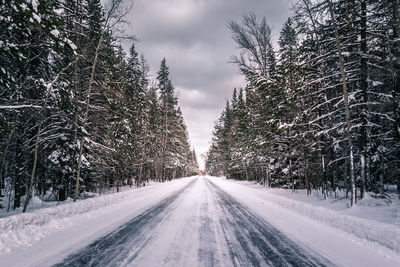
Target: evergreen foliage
<point>51,53</point>
<point>293,112</point>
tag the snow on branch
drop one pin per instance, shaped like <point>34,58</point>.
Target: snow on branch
<point>19,106</point>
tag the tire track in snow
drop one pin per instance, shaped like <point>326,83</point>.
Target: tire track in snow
<point>206,233</point>
<point>254,242</point>
<point>114,248</point>
<point>228,235</point>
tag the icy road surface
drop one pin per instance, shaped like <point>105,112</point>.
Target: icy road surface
<point>200,221</point>
<point>198,225</point>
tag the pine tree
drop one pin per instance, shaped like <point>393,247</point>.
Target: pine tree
<point>168,103</point>
<point>323,114</point>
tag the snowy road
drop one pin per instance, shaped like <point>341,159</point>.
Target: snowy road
<point>197,221</point>
<point>198,225</point>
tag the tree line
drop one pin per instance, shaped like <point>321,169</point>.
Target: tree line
<point>321,112</point>
<point>78,114</point>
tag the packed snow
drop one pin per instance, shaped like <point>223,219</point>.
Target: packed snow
<point>373,219</point>
<point>26,229</point>
<point>193,222</point>
<point>339,228</point>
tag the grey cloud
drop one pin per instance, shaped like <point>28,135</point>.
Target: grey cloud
<point>193,36</point>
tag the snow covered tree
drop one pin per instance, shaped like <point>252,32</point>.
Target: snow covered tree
<point>323,115</point>
<point>175,146</point>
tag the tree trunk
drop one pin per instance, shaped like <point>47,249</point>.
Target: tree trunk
<point>306,176</point>
<point>101,185</point>
<point>364,89</point>
<point>265,176</point>
<point>324,178</point>
<point>9,201</point>
<point>96,55</point>
<point>148,175</point>
<point>163,174</point>
<point>157,177</point>
<point>395,66</point>
<point>334,186</point>
<point>42,117</point>
<point>140,174</point>
<point>76,116</point>
<point>3,160</point>
<point>77,29</point>
<point>382,174</point>
<point>382,163</point>
<point>346,177</point>
<point>291,175</point>
<point>17,192</point>
<point>165,138</point>
<point>346,104</point>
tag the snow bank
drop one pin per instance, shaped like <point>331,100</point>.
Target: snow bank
<point>385,234</point>
<point>24,229</point>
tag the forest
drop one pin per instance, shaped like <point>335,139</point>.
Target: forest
<point>322,110</point>
<point>78,114</point>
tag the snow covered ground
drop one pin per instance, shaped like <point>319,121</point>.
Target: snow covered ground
<point>45,233</point>
<point>49,200</point>
<point>345,239</point>
<point>197,221</point>
<point>378,209</point>
<point>376,220</point>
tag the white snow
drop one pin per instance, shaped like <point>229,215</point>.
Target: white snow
<point>55,32</point>
<point>376,83</point>
<point>35,5</point>
<point>24,230</point>
<point>23,6</point>
<point>58,11</point>
<point>336,235</point>
<point>36,17</point>
<point>71,44</point>
<point>342,235</point>
<point>18,106</point>
<point>176,239</point>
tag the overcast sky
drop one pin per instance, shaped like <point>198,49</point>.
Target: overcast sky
<point>193,37</point>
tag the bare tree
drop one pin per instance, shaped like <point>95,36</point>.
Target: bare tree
<point>254,39</point>
<point>114,16</point>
